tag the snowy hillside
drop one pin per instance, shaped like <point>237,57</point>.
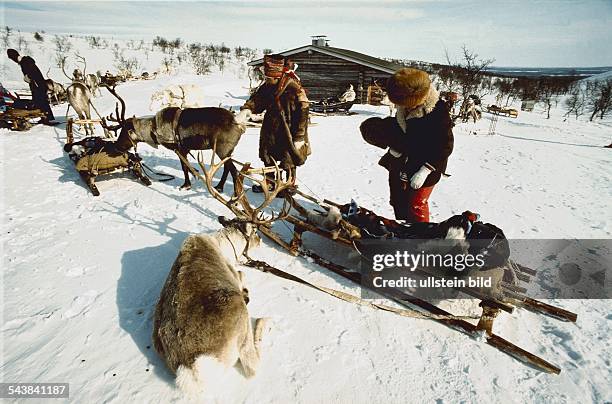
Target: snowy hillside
<point>81,275</point>
<point>600,77</point>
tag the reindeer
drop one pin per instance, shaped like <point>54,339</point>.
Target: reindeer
<point>182,131</point>
<point>79,96</point>
<point>201,323</point>
<point>385,100</point>
<point>56,90</point>
<point>256,76</point>
<point>178,95</point>
<point>92,82</point>
<point>469,109</point>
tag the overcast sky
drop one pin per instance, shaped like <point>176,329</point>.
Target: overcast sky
<point>514,33</point>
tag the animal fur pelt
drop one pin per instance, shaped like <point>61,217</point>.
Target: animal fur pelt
<point>329,220</point>
<point>202,325</point>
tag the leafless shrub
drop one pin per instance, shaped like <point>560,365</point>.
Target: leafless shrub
<point>576,102</point>
<point>62,47</point>
<point>599,98</point>
<point>6,36</point>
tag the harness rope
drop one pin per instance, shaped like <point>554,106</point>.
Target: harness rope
<point>165,176</point>
<point>347,297</point>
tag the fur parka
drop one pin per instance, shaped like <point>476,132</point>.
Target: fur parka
<point>418,137</point>
<point>274,141</point>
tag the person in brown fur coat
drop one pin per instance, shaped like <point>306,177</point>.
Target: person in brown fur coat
<point>419,138</point>
<point>284,131</point>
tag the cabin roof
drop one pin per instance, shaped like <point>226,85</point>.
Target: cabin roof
<point>349,55</point>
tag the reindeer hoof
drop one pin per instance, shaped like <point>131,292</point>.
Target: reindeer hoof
<point>185,187</point>
<point>219,188</point>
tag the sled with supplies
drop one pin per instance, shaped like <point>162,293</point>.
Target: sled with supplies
<point>348,229</point>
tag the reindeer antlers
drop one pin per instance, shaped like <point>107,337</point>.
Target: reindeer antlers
<point>281,187</point>
<point>82,59</point>
<point>254,215</point>
<point>119,117</point>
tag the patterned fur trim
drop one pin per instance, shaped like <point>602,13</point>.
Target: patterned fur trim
<point>430,103</point>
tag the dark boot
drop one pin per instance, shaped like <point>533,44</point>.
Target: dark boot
<point>258,189</point>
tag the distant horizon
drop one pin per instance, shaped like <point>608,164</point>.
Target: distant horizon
<point>83,35</point>
<point>554,34</point>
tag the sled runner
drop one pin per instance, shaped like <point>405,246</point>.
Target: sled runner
<point>348,225</point>
<point>325,107</point>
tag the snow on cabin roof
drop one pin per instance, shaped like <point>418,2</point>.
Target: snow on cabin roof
<point>352,56</point>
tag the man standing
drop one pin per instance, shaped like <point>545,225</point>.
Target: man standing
<point>38,85</point>
<point>284,130</point>
<point>419,138</point>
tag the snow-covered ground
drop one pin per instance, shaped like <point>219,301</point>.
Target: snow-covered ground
<point>81,274</point>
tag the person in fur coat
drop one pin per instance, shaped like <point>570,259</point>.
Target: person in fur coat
<point>37,83</point>
<point>284,131</point>
<point>419,141</point>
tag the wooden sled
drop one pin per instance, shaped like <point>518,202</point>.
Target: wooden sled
<point>325,108</point>
<point>19,119</point>
<point>93,157</point>
<point>494,109</point>
<point>294,214</point>
<point>72,123</point>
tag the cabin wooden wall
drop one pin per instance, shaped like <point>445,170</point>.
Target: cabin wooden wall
<point>326,76</point>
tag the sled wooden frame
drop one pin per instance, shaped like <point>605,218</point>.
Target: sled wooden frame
<point>19,119</point>
<point>70,126</point>
<point>89,176</point>
<point>503,111</point>
<point>335,108</point>
<point>490,308</point>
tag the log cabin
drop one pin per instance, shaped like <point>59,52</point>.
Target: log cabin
<point>326,71</point>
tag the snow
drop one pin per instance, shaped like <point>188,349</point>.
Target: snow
<point>81,274</point>
<point>600,77</point>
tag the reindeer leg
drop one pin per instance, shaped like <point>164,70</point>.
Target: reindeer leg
<point>249,351</point>
<point>228,168</point>
<point>187,184</point>
<point>91,127</point>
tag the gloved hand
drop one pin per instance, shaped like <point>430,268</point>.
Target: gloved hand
<point>243,116</point>
<point>418,178</point>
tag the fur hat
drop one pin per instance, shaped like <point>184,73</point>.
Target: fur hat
<point>12,54</point>
<point>408,87</point>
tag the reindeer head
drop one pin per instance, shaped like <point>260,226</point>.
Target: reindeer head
<point>77,75</point>
<point>248,218</point>
<point>245,229</point>
<point>127,128</point>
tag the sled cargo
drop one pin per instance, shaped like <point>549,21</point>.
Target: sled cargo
<point>19,119</point>
<point>494,109</point>
<point>298,220</point>
<point>94,156</point>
